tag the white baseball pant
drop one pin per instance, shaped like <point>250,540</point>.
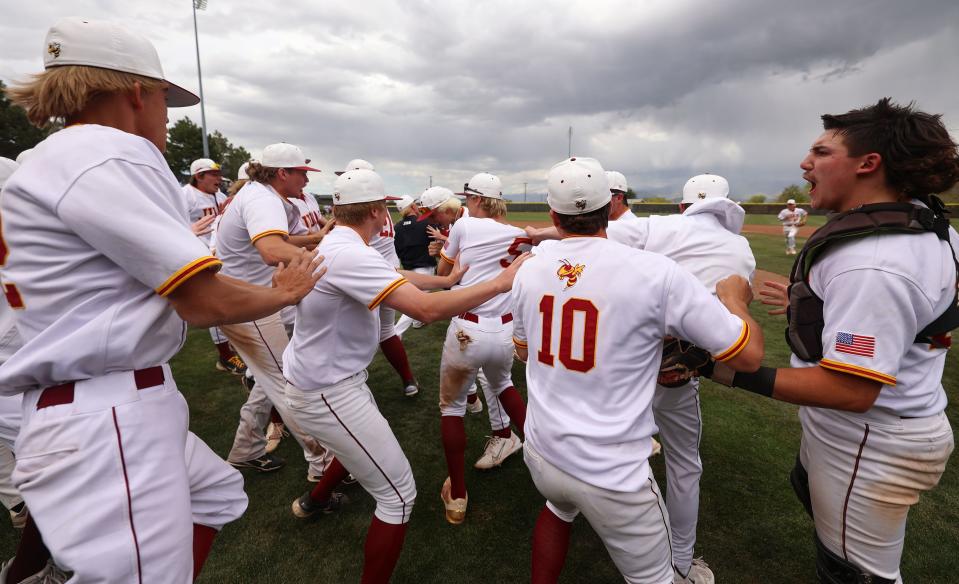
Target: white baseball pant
<point>498,418</point>
<point>677,414</point>
<point>790,233</point>
<point>217,335</point>
<point>865,472</point>
<point>404,323</point>
<point>634,527</point>
<point>387,317</point>
<point>260,344</point>
<point>469,347</point>
<point>115,482</point>
<point>10,415</point>
<point>345,417</point>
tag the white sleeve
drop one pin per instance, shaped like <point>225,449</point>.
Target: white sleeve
<point>695,315</point>
<point>371,279</point>
<point>127,214</point>
<point>264,215</point>
<point>782,214</point>
<point>519,330</point>
<point>631,233</point>
<point>454,242</point>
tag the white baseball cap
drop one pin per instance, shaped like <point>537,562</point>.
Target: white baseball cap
<point>355,164</point>
<point>203,165</point>
<point>791,202</point>
<point>705,186</point>
<point>7,167</point>
<point>359,186</point>
<point>285,155</point>
<point>24,155</point>
<point>432,198</point>
<point>617,182</point>
<point>576,186</point>
<point>404,202</point>
<point>107,45</point>
<point>241,173</point>
<point>484,184</point>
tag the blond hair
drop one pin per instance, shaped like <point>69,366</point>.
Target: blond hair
<point>62,92</point>
<point>492,207</point>
<point>451,204</point>
<point>236,186</point>
<point>355,213</point>
<point>261,174</point>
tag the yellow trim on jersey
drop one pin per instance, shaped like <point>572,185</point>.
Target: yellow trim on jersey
<point>736,347</point>
<point>386,292</point>
<point>270,232</point>
<point>858,371</point>
<point>446,259</point>
<point>187,272</point>
<point>519,343</point>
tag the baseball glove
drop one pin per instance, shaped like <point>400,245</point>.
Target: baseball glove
<point>681,362</point>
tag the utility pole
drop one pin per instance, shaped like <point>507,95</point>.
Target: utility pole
<point>201,4</point>
<point>569,149</point>
<point>431,181</point>
<point>524,192</point>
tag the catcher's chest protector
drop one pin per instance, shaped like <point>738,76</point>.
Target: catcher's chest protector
<point>805,313</point>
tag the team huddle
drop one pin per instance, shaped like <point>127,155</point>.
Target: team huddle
<point>97,463</point>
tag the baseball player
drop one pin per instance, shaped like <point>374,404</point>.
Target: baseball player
<point>593,349</point>
<point>792,218</point>
<point>479,338</point>
<point>704,239</point>
<point>390,342</point>
<point>204,200</point>
<point>101,309</point>
<point>619,205</point>
<point>254,234</point>
<point>869,321</point>
<point>412,242</point>
<point>334,341</point>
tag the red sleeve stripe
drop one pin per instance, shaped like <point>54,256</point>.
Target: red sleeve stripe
<point>280,232</point>
<point>736,347</point>
<point>386,292</point>
<point>446,259</point>
<point>187,272</point>
<point>858,371</point>
<point>519,343</point>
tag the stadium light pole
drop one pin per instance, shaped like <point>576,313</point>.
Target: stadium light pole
<point>569,149</point>
<point>201,5</point>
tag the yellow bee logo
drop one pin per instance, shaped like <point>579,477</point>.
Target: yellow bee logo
<point>570,273</point>
<point>54,49</point>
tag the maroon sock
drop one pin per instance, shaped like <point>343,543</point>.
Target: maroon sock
<point>471,398</point>
<point>454,444</point>
<point>395,353</point>
<point>515,407</point>
<point>504,433</point>
<point>334,475</point>
<point>203,536</point>
<point>225,351</point>
<point>384,542</point>
<point>275,416</point>
<point>32,554</point>
<point>550,544</point>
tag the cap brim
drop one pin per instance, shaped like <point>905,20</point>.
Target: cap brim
<point>309,168</point>
<point>426,215</point>
<point>392,198</point>
<point>178,97</point>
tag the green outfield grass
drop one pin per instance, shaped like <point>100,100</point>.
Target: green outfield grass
<point>752,530</point>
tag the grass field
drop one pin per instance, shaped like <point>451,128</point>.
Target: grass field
<point>751,530</point>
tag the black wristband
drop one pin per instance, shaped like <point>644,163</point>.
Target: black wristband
<point>761,381</point>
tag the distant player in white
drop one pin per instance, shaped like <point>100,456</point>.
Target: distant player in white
<point>204,200</point>
<point>335,338</point>
<point>619,205</point>
<point>480,338</point>
<point>593,348</point>
<point>875,435</point>
<point>253,235</point>
<point>792,218</point>
<point>390,343</point>
<point>102,270</point>
<point>704,239</point>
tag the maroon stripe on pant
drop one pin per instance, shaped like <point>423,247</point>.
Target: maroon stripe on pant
<point>126,481</point>
<point>852,481</point>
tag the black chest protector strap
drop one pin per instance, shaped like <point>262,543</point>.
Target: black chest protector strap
<point>805,313</point>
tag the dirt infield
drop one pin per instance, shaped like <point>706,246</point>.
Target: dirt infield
<point>804,231</point>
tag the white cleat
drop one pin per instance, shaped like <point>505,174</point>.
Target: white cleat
<point>476,407</point>
<point>497,449</point>
<point>699,573</point>
<point>657,448</point>
<point>274,434</point>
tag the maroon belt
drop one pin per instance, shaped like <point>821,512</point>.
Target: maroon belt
<point>508,317</point>
<point>57,395</point>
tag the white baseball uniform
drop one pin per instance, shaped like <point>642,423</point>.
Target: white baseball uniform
<point>309,223</point>
<point>109,488</point>
<point>482,337</point>
<point>258,211</point>
<point>385,243</point>
<point>867,470</point>
<point>336,336</point>
<point>10,414</point>
<point>704,240</point>
<point>791,221</point>
<point>595,347</point>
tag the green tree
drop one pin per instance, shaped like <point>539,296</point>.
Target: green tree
<point>793,192</point>
<point>756,199</point>
<point>185,144</point>
<point>656,200</point>
<point>16,132</point>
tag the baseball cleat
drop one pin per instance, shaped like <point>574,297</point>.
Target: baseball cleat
<point>305,506</point>
<point>657,447</point>
<point>274,434</point>
<point>349,481</point>
<point>475,407</point>
<point>699,573</point>
<point>50,574</point>
<point>455,508</point>
<point>266,463</point>
<point>496,451</point>
<point>418,325</point>
<point>411,389</point>
<point>233,365</point>
<point>18,516</point>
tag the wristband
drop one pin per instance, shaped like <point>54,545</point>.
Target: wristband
<point>761,381</point>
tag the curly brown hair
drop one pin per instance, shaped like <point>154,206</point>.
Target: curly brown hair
<point>585,224</point>
<point>919,156</point>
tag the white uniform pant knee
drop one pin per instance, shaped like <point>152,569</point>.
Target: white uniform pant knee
<point>404,323</point>
<point>387,328</point>
<point>217,335</point>
<point>345,417</point>
<point>9,428</point>
<point>468,348</point>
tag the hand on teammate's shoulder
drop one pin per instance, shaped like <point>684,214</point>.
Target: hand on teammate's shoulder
<point>298,277</point>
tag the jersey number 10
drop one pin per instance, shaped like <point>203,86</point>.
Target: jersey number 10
<point>586,343</point>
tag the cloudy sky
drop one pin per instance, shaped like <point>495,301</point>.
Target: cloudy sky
<point>659,90</point>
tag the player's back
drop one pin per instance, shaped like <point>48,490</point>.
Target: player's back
<point>487,247</point>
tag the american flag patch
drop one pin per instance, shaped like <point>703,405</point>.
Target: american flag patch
<point>862,345</point>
